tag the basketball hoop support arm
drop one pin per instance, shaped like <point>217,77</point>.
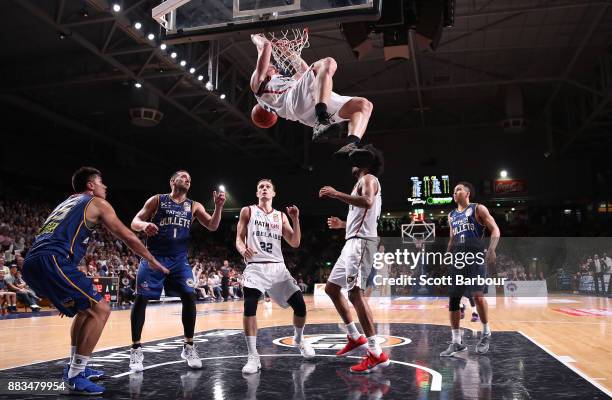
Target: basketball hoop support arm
<point>160,12</point>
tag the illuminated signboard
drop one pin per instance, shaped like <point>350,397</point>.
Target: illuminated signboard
<point>108,287</point>
<point>430,190</point>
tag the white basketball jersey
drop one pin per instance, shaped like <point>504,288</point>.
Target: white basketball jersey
<point>272,95</point>
<point>362,222</point>
<point>265,234</point>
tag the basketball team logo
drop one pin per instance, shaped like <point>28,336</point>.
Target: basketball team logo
<point>275,218</point>
<point>187,206</point>
<point>336,341</point>
<point>68,302</point>
<point>190,282</point>
<point>468,212</point>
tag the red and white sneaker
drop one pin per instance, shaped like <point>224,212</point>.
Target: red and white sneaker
<point>371,363</point>
<point>352,346</point>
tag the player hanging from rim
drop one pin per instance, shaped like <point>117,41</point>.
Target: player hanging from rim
<point>50,268</point>
<point>259,236</point>
<point>467,229</point>
<point>354,265</point>
<point>166,219</point>
<point>306,95</point>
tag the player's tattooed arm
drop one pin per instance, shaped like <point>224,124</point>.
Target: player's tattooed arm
<point>484,217</point>
<point>365,199</point>
<point>335,223</point>
<point>292,235</point>
<point>103,212</point>
<point>241,233</point>
<point>210,222</point>
<point>141,223</point>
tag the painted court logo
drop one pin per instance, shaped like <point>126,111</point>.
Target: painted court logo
<point>336,341</point>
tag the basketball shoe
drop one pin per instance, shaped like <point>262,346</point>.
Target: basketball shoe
<point>306,349</point>
<point>353,345</point>
<point>253,364</point>
<point>322,130</point>
<point>371,363</point>
<point>79,384</point>
<point>136,359</point>
<point>89,373</point>
<point>190,354</point>
<point>483,344</point>
<point>453,349</point>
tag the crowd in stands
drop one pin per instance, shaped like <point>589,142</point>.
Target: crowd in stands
<point>217,267</point>
<point>595,266</point>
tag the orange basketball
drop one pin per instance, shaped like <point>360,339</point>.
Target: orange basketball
<point>263,118</point>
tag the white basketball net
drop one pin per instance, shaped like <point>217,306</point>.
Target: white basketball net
<point>287,48</point>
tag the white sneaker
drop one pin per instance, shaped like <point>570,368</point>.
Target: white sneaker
<point>136,359</point>
<point>306,349</point>
<point>253,365</point>
<point>191,355</point>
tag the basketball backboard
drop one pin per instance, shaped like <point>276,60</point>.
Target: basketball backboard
<point>422,232</point>
<point>195,20</point>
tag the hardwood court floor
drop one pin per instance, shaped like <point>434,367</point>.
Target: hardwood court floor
<point>577,329</point>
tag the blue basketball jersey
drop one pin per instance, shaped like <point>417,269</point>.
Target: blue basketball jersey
<point>65,232</point>
<point>174,222</point>
<point>465,228</point>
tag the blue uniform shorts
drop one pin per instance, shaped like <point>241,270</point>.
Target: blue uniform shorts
<point>469,271</point>
<point>150,282</point>
<point>58,279</point>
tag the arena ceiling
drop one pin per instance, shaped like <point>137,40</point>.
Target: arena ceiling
<point>71,65</point>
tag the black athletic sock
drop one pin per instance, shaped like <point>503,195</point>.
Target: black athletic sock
<point>137,317</point>
<point>136,345</point>
<point>188,342</point>
<point>188,314</point>
<point>321,111</point>
<point>353,139</point>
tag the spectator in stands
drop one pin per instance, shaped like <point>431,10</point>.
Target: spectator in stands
<point>6,296</point>
<point>214,284</point>
<point>19,245</point>
<point>598,270</point>
<point>236,281</point>
<point>3,267</point>
<point>202,288</point>
<point>225,280</point>
<point>92,271</point>
<point>608,262</point>
<point>126,287</point>
<point>20,288</point>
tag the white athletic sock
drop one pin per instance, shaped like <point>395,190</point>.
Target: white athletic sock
<point>485,329</point>
<point>77,365</point>
<point>252,344</point>
<point>299,334</point>
<point>352,331</point>
<point>72,353</point>
<point>373,346</point>
<point>456,335</point>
